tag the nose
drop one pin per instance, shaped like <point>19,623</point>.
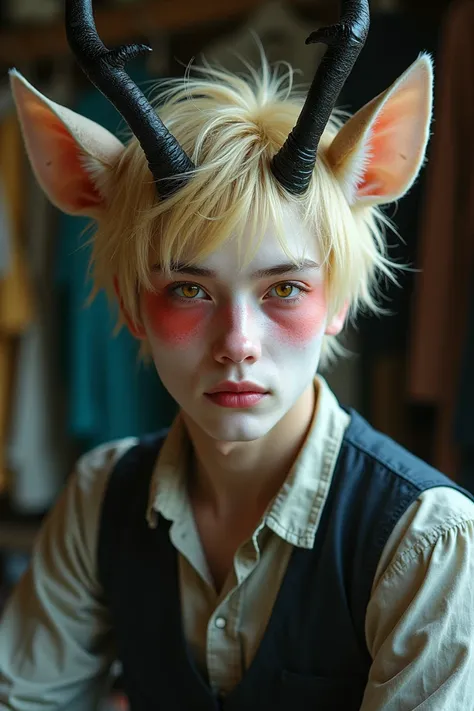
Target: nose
<point>237,339</point>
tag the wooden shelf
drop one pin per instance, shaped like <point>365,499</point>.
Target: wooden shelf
<point>120,25</point>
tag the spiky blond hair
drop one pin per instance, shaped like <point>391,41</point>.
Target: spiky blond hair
<point>231,126</point>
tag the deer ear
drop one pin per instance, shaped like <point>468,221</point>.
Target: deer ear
<point>71,156</point>
<point>378,153</point>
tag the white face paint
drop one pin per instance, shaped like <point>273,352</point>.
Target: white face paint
<point>235,326</point>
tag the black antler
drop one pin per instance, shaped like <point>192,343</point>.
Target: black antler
<point>293,165</point>
<point>167,161</point>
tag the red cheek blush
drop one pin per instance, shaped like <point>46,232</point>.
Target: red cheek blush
<point>174,325</point>
<point>299,324</point>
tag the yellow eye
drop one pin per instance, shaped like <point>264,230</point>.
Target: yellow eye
<point>189,291</point>
<point>284,290</point>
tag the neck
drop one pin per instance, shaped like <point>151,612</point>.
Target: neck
<point>235,477</point>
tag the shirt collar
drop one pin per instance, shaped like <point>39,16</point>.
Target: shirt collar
<point>297,508</point>
<point>295,512</point>
<point>168,494</point>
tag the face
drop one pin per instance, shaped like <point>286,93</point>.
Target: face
<point>263,325</point>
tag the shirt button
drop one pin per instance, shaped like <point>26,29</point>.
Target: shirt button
<point>220,622</point>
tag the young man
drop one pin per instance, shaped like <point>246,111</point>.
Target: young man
<point>271,550</point>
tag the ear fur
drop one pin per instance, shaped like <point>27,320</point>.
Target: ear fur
<point>378,153</point>
<point>71,155</point>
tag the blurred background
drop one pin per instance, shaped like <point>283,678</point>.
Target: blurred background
<point>67,384</point>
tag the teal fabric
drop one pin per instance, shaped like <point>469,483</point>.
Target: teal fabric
<point>109,393</point>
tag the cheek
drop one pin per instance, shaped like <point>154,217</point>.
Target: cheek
<point>300,324</point>
<point>175,326</point>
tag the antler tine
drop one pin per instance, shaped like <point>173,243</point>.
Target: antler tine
<point>294,163</point>
<point>105,68</point>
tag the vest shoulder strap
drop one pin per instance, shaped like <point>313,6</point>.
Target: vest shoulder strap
<point>127,491</point>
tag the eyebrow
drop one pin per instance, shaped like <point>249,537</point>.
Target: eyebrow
<point>277,270</point>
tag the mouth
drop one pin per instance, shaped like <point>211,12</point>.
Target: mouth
<point>241,388</point>
<point>239,400</point>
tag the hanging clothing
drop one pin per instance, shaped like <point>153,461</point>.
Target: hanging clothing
<point>5,234</point>
<point>446,257</point>
<point>16,307</point>
<point>38,447</point>
<point>111,394</point>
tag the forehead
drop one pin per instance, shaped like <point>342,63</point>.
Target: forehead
<point>300,244</point>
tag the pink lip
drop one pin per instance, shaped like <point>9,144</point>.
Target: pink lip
<point>236,400</point>
<point>232,387</point>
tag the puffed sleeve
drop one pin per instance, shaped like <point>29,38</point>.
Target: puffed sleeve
<point>420,618</point>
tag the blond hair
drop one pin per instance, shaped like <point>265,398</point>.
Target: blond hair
<point>231,126</point>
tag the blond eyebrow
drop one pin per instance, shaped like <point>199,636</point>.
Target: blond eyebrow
<point>277,270</point>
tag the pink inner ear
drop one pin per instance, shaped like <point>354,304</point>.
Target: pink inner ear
<point>57,159</point>
<point>370,183</point>
<point>393,144</point>
<point>77,181</point>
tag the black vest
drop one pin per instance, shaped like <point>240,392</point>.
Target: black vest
<point>313,655</point>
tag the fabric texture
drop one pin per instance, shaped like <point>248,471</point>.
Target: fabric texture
<point>323,595</point>
<point>56,640</point>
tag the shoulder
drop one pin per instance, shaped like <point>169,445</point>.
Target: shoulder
<point>419,506</point>
<point>375,450</point>
<point>67,542</point>
<point>83,498</point>
<point>93,468</point>
<point>441,519</point>
<point>421,615</point>
<point>425,571</point>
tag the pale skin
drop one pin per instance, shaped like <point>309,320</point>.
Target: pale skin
<point>237,326</point>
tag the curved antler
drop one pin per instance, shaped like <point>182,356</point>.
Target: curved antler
<point>104,67</point>
<point>294,163</point>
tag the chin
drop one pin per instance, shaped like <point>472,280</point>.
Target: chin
<point>236,427</point>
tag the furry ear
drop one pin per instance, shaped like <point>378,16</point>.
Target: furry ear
<point>71,156</point>
<point>378,153</point>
